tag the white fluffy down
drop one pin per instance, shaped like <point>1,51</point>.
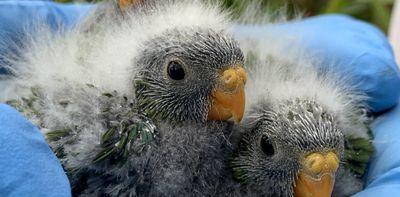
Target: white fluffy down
<point>53,60</point>
<point>61,63</point>
<point>281,69</point>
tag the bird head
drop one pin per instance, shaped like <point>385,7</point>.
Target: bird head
<point>292,150</point>
<point>190,69</point>
<point>191,74</point>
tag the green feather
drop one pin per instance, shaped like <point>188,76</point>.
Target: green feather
<point>358,152</point>
<point>129,132</point>
<point>357,156</point>
<point>105,153</point>
<point>107,94</point>
<point>360,144</point>
<point>57,135</point>
<point>104,109</point>
<point>133,133</point>
<point>132,139</point>
<point>107,135</point>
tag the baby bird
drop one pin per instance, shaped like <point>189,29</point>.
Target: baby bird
<point>133,99</point>
<point>306,131</point>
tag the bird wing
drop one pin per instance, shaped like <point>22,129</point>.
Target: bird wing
<point>128,130</point>
<point>123,131</point>
<point>358,152</point>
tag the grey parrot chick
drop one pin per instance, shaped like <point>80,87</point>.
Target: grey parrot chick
<point>204,77</point>
<point>301,128</point>
<point>133,99</point>
<point>295,150</point>
<point>177,63</point>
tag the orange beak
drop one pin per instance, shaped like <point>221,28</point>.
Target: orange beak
<point>228,99</point>
<point>317,177</point>
<point>124,4</point>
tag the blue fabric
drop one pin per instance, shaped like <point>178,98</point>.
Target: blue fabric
<point>27,164</point>
<point>17,16</point>
<point>28,168</point>
<point>351,46</point>
<point>383,177</point>
<point>362,52</point>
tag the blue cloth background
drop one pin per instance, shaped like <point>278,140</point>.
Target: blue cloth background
<point>384,172</point>
<point>28,168</point>
<point>17,16</point>
<point>362,52</point>
<point>351,46</point>
<point>27,165</point>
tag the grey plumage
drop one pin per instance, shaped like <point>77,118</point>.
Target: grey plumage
<point>205,51</point>
<point>118,121</point>
<point>267,160</point>
<point>121,126</point>
<point>179,160</point>
<point>299,111</point>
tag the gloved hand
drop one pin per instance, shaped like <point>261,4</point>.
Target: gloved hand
<point>364,54</point>
<point>17,17</point>
<point>383,177</point>
<point>27,165</point>
<point>351,46</point>
<point>348,44</point>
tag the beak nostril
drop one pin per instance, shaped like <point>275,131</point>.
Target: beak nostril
<point>332,161</point>
<point>311,163</point>
<point>230,79</point>
<point>314,163</point>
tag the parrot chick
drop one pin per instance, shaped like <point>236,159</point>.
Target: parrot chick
<point>290,151</point>
<point>298,137</point>
<point>133,104</point>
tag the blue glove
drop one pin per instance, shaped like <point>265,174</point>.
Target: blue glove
<point>384,172</point>
<point>356,48</point>
<point>17,16</point>
<point>362,52</point>
<point>27,165</point>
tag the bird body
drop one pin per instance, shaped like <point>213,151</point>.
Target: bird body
<point>128,99</point>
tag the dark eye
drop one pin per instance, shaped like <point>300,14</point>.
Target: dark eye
<point>175,71</point>
<point>266,146</point>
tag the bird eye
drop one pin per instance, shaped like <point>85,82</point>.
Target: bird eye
<point>266,146</point>
<point>175,70</point>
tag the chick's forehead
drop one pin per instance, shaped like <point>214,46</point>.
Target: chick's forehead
<point>305,126</point>
<point>201,46</point>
